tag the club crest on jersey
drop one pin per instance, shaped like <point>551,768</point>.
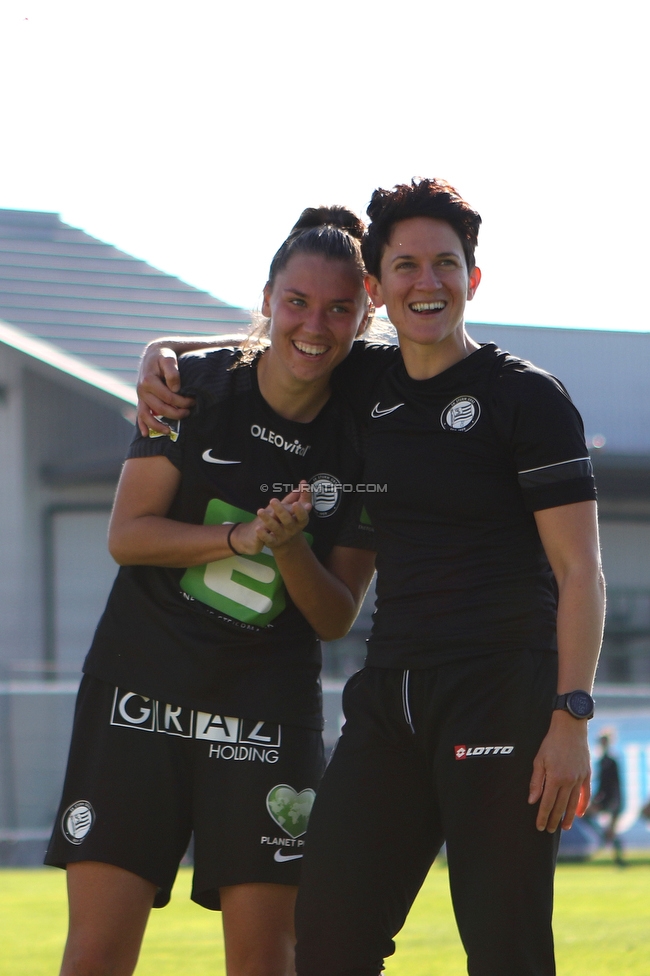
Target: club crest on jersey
<point>77,821</point>
<point>325,494</point>
<point>461,414</point>
<point>469,752</point>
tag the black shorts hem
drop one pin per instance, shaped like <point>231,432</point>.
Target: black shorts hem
<point>163,892</point>
<point>210,898</point>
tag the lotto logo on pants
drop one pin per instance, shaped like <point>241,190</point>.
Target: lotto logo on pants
<point>470,752</point>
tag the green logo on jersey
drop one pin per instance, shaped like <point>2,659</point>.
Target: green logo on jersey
<point>365,518</point>
<point>248,588</point>
<point>289,809</point>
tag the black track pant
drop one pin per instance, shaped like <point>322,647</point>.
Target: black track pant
<point>443,754</point>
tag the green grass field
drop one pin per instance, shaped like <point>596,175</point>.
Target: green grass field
<point>602,926</point>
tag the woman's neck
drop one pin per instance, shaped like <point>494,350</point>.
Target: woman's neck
<point>422,361</point>
<point>290,397</point>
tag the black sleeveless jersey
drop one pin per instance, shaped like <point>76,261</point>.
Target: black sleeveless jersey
<point>226,636</point>
<point>457,465</point>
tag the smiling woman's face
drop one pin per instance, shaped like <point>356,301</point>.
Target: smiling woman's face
<point>425,282</point>
<point>317,307</point>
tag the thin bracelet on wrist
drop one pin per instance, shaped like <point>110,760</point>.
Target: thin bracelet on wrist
<point>228,539</point>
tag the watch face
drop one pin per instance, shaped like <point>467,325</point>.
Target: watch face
<point>580,704</point>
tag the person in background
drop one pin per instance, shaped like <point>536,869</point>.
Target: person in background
<point>607,801</point>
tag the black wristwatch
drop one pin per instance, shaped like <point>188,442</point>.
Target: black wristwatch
<point>579,703</point>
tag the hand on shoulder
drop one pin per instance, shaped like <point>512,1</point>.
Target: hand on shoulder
<point>158,382</point>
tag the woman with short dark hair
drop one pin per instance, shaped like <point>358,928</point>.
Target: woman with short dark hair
<point>468,723</point>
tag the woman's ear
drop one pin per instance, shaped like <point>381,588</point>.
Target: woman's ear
<point>474,282</point>
<point>374,289</point>
<point>366,321</point>
<point>266,301</point>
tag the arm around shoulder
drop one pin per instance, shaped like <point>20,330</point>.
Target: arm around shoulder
<point>159,378</point>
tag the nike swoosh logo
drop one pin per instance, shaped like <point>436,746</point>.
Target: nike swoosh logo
<point>206,457</point>
<point>376,412</point>
<point>279,856</point>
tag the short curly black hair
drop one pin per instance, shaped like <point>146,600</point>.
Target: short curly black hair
<point>419,198</point>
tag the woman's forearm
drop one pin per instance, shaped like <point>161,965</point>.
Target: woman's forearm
<point>323,599</point>
<point>569,534</point>
<point>141,534</point>
<point>561,770</point>
<point>580,617</point>
<point>183,344</point>
<point>153,540</point>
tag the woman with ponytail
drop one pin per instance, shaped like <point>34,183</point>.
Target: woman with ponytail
<point>199,712</point>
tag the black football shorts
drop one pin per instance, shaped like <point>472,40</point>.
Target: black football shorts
<point>143,776</point>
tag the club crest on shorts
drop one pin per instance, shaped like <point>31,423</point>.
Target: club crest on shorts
<point>461,414</point>
<point>469,752</point>
<point>77,821</point>
<point>290,809</point>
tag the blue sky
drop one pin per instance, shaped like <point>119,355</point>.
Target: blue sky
<point>193,134</point>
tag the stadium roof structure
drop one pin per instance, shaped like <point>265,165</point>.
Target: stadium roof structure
<point>92,301</point>
<point>71,366</point>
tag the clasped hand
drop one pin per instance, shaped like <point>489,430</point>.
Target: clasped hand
<point>275,526</point>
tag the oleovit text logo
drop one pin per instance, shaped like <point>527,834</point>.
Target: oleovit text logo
<point>292,447</point>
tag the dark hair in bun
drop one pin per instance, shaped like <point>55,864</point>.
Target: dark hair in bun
<point>336,216</point>
<point>333,232</point>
